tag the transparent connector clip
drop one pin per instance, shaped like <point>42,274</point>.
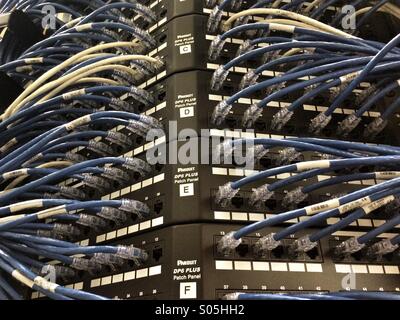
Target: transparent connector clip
<point>131,253</point>
<point>142,96</point>
<point>121,105</point>
<point>393,205</point>
<point>67,230</point>
<point>348,247</point>
<point>96,182</point>
<point>227,244</point>
<point>231,297</point>
<point>220,113</point>
<point>100,148</point>
<point>223,153</point>
<point>139,128</point>
<point>152,122</point>
<point>241,21</point>
<point>218,78</point>
<point>294,197</point>
<point>375,127</point>
<point>145,69</point>
<point>319,123</point>
<point>113,214</point>
<point>108,259</point>
<point>281,118</point>
<point>65,273</point>
<point>119,139</point>
<point>362,96</point>
<point>275,88</point>
<point>248,80</point>
<point>303,245</point>
<point>287,156</point>
<point>382,248</point>
<point>245,47</point>
<point>217,45</point>
<point>225,195</point>
<point>214,20</point>
<point>260,195</point>
<point>252,114</point>
<point>349,124</point>
<point>270,56</point>
<point>116,174</point>
<point>258,152</point>
<point>265,245</point>
<point>136,207</point>
<point>75,157</point>
<point>72,193</point>
<point>137,165</point>
<point>85,265</point>
<point>92,222</point>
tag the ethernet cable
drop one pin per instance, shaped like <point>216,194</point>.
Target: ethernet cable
<point>324,118</point>
<point>309,242</point>
<point>353,295</point>
<point>356,244</point>
<point>228,191</point>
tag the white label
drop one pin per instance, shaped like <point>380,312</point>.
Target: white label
<point>186,49</point>
<point>21,278</point>
<point>377,204</point>
<point>387,175</point>
<point>33,60</point>
<point>78,122</point>
<point>26,205</point>
<point>15,174</point>
<point>8,145</point>
<point>73,94</point>
<point>323,206</point>
<point>188,290</point>
<point>311,165</point>
<point>186,112</point>
<point>186,190</point>
<point>349,77</point>
<point>51,212</point>
<point>354,205</point>
<point>43,283</point>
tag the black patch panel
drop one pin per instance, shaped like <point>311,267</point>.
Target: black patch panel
<point>191,268</point>
<point>187,99</point>
<point>177,194</point>
<point>185,224</point>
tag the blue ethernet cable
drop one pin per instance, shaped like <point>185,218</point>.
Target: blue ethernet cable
<point>389,225</point>
<point>363,74</point>
<point>302,212</point>
<point>322,217</point>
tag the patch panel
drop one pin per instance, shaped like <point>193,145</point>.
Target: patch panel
<point>188,100</point>
<point>200,150</point>
<point>190,258</point>
<point>192,197</point>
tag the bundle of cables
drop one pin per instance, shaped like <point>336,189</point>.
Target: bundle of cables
<point>310,59</point>
<point>335,64</point>
<point>342,162</point>
<point>62,140</point>
<point>77,24</point>
<point>331,11</point>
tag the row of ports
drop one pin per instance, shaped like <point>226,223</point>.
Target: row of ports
<point>248,250</point>
<point>156,255</point>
